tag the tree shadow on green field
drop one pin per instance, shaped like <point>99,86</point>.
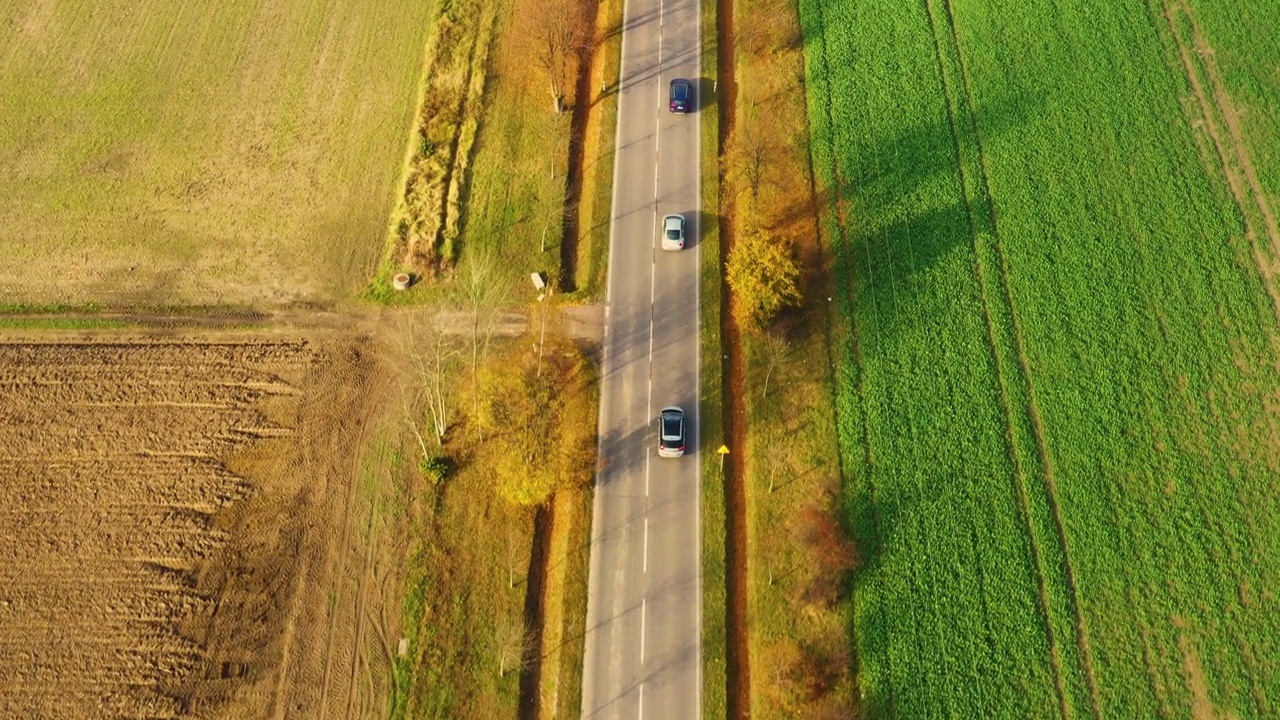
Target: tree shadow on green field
<point>902,241</point>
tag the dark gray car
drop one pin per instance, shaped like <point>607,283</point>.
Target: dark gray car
<point>671,432</point>
<point>681,96</point>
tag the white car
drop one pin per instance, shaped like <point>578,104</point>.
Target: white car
<point>673,232</point>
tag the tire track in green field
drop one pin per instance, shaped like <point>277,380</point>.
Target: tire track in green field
<point>1066,632</point>
<point>1225,155</point>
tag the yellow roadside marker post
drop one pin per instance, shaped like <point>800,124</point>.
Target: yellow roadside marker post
<point>724,450</point>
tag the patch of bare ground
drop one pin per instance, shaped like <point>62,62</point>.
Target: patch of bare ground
<point>181,537</point>
<point>1202,707</point>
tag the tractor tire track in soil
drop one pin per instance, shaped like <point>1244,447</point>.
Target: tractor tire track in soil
<point>362,597</point>
<point>738,661</point>
<point>169,501</point>
<point>355,568</point>
<point>1006,332</point>
<point>1217,110</point>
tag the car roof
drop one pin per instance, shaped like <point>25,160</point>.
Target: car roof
<point>669,219</point>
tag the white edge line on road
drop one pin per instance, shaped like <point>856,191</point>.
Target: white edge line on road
<point>644,611</point>
<point>640,710</point>
<point>653,294</point>
<point>646,542</point>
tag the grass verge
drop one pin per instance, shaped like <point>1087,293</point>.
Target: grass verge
<point>714,649</point>
<point>62,323</point>
<point>564,622</point>
<point>800,663</point>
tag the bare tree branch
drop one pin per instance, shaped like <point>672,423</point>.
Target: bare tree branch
<point>776,351</point>
<point>484,293</point>
<point>557,35</point>
<point>515,646</point>
<point>429,354</point>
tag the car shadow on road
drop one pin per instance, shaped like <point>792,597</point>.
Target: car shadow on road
<point>706,93</point>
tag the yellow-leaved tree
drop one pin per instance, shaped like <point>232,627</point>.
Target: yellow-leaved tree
<point>541,427</point>
<point>764,276</point>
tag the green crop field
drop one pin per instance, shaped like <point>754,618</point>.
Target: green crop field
<point>201,152</point>
<point>1059,395</point>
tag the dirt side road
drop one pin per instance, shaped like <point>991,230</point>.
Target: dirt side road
<point>187,527</point>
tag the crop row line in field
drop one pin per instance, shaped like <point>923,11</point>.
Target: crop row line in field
<point>1221,122</point>
<point>1024,433</point>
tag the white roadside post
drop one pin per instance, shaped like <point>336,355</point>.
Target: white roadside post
<point>539,284</point>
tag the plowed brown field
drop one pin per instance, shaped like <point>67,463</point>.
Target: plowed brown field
<point>180,533</point>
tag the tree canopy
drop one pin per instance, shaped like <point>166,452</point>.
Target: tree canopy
<point>541,428</point>
<point>764,275</point>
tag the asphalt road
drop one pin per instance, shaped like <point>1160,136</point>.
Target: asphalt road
<point>643,641</point>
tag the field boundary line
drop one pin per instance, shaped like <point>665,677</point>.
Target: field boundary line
<point>1233,154</point>
<point>964,104</point>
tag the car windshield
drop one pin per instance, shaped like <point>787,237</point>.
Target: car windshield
<point>680,91</point>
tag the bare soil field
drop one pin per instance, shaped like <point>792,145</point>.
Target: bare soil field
<point>188,529</point>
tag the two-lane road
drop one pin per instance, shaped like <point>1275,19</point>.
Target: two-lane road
<point>643,642</point>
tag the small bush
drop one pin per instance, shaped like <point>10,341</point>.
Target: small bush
<point>436,468</point>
